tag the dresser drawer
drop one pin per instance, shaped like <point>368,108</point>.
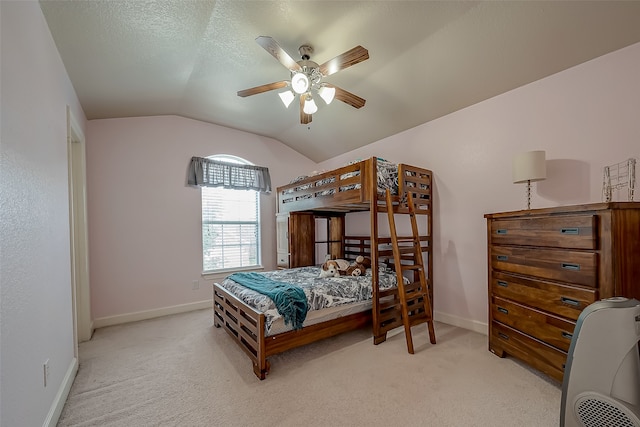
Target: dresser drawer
<point>567,232</point>
<point>580,268</point>
<point>563,300</point>
<point>546,327</point>
<point>541,356</point>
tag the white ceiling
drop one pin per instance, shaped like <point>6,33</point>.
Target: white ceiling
<point>427,58</point>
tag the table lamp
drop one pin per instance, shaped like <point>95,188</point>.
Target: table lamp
<point>529,167</point>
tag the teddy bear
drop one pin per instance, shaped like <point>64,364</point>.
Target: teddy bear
<point>333,267</point>
<point>359,267</point>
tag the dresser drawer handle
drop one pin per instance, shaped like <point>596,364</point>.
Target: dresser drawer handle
<point>571,266</point>
<point>503,336</point>
<point>567,335</point>
<point>503,310</point>
<point>502,257</point>
<point>501,231</point>
<point>502,283</point>
<point>570,301</point>
<point>570,231</point>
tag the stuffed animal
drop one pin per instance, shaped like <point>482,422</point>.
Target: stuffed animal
<point>366,261</point>
<point>333,267</point>
<point>359,267</point>
<point>355,270</point>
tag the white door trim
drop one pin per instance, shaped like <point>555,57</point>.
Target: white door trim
<point>82,323</point>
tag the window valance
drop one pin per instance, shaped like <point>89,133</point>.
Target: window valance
<point>205,172</point>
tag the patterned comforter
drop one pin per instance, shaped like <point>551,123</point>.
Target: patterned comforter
<point>321,292</point>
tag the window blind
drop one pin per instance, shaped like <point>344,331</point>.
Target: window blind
<point>230,220</point>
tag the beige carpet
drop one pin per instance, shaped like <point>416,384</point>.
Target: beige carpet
<point>182,371</point>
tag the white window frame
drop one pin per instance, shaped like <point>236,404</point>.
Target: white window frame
<point>206,192</point>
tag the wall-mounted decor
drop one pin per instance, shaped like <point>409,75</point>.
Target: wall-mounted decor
<point>617,177</point>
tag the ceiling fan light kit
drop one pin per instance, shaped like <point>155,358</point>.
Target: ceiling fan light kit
<point>306,78</point>
<point>287,97</point>
<point>310,106</point>
<point>300,83</point>
<point>327,93</point>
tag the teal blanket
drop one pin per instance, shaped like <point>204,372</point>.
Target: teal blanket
<point>290,300</point>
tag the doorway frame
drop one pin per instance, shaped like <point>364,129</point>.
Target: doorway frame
<point>80,290</point>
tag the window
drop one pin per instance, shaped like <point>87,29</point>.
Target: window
<point>230,225</point>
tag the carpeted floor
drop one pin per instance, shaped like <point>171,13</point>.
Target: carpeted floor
<point>182,371</point>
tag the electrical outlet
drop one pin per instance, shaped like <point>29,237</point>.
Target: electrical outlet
<point>195,285</point>
<point>45,372</point>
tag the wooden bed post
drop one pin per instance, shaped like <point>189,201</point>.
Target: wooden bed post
<point>372,190</point>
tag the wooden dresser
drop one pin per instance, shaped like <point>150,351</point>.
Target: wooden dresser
<point>547,265</point>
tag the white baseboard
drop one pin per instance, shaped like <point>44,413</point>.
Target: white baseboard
<point>101,322</point>
<point>61,397</point>
<point>472,325</point>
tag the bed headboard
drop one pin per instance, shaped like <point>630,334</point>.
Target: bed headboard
<point>361,245</point>
<point>418,181</point>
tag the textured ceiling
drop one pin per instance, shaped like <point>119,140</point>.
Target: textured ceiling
<point>427,58</point>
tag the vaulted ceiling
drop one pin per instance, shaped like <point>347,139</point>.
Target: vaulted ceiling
<point>426,58</point>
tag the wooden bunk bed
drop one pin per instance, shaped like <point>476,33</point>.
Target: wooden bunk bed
<point>332,195</point>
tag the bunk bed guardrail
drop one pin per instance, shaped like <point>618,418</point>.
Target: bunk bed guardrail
<point>350,188</point>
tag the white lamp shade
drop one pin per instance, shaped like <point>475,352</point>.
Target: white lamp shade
<point>327,93</point>
<point>310,106</point>
<point>300,83</point>
<point>287,98</point>
<point>529,166</point>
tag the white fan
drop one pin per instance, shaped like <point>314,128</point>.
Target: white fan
<point>601,386</point>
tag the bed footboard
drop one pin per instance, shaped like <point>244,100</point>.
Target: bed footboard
<point>244,324</point>
<point>246,327</point>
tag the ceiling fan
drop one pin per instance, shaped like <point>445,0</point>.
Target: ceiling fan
<point>307,78</point>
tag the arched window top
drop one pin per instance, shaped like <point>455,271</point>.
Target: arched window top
<point>229,158</point>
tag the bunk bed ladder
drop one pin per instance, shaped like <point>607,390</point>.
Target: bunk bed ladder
<point>407,254</point>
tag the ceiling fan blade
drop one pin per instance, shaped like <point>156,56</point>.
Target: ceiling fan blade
<point>304,117</point>
<point>263,88</point>
<point>347,59</point>
<point>272,46</point>
<point>347,97</point>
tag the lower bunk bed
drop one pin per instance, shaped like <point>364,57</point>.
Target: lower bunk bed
<point>336,305</point>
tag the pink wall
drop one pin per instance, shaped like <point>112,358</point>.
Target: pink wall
<point>585,118</point>
<point>35,262</point>
<point>144,222</point>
